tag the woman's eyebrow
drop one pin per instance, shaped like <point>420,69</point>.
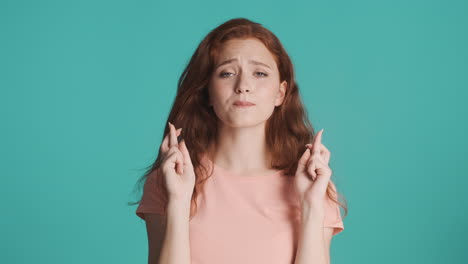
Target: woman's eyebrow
<point>250,61</point>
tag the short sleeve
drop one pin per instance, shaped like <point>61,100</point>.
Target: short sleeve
<point>152,200</point>
<point>332,217</point>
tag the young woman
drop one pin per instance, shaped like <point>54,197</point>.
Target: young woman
<point>249,182</point>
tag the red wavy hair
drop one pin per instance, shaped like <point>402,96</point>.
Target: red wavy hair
<point>288,129</point>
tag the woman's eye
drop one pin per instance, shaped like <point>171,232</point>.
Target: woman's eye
<point>223,74</point>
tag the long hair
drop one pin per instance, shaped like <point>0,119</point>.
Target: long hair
<point>287,131</point>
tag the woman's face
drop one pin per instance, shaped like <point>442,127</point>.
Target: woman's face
<point>245,71</point>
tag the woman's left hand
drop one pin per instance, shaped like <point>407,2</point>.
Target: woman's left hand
<point>313,174</point>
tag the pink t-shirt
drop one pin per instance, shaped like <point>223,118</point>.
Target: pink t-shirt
<point>243,219</point>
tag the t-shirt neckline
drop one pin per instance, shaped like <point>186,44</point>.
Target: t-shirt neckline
<point>240,176</point>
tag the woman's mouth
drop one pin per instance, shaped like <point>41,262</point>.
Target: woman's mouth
<point>243,103</point>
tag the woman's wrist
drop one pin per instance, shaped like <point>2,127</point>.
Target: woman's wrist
<point>312,212</point>
<point>178,206</point>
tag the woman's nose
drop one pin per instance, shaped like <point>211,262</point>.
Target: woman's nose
<point>243,84</point>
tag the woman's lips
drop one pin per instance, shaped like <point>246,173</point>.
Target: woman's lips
<point>243,106</point>
<point>243,103</point>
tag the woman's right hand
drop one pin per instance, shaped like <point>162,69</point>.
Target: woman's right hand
<point>177,168</point>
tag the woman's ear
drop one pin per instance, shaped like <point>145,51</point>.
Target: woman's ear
<point>281,93</point>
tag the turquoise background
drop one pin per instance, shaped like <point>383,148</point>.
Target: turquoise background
<point>86,87</point>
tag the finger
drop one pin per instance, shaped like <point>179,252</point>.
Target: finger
<point>175,160</point>
<point>187,161</point>
<point>314,164</point>
<point>325,173</point>
<point>318,158</point>
<point>180,163</point>
<point>326,153</point>
<point>316,143</point>
<point>319,168</point>
<point>319,163</point>
<point>172,137</point>
<point>165,143</point>
<point>311,168</point>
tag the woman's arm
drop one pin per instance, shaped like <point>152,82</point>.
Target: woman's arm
<point>155,227</point>
<point>312,243</point>
<point>176,246</point>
